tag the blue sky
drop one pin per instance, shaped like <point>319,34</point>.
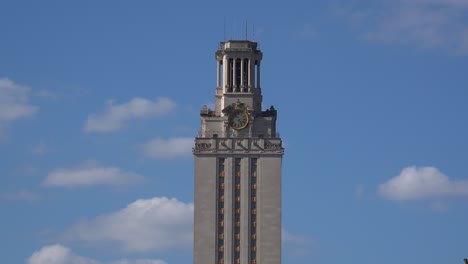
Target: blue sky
<point>372,108</point>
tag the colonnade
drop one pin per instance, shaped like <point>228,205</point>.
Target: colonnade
<point>238,74</point>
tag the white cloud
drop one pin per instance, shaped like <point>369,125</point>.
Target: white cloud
<point>159,148</point>
<point>423,182</point>
<point>90,174</point>
<point>14,102</point>
<point>139,261</point>
<point>424,23</point>
<point>115,116</point>
<point>157,224</point>
<point>58,254</point>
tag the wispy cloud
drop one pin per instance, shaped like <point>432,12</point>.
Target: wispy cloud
<point>427,24</point>
<point>421,182</point>
<point>46,94</point>
<point>170,148</point>
<point>298,245</point>
<point>21,195</point>
<point>14,102</point>
<point>90,174</point>
<point>59,254</point>
<point>152,224</point>
<point>115,116</point>
<point>287,237</point>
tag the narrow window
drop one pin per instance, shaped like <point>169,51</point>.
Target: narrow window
<point>253,212</point>
<point>220,214</point>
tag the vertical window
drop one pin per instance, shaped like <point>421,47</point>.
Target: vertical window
<point>220,214</point>
<point>238,74</point>
<point>246,74</point>
<point>253,211</point>
<point>229,75</point>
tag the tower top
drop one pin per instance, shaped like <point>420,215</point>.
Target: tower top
<point>238,75</point>
<point>244,45</point>
<point>238,49</point>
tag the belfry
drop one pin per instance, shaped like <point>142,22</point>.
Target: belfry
<point>238,156</point>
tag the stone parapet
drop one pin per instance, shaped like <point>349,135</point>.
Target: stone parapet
<point>230,146</point>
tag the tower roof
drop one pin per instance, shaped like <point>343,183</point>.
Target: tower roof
<point>236,45</point>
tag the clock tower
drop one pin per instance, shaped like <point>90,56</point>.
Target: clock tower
<point>238,156</point>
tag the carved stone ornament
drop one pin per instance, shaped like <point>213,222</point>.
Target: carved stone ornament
<point>202,146</point>
<point>273,146</point>
<point>256,142</point>
<point>237,105</point>
<point>225,144</point>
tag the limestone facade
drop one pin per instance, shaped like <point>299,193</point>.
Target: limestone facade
<point>238,169</point>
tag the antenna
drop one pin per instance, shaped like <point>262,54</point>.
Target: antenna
<point>224,37</point>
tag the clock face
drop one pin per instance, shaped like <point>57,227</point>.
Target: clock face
<point>238,119</point>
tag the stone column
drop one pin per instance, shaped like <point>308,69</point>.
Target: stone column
<point>253,74</point>
<point>242,74</point>
<point>217,74</point>
<point>249,81</point>
<point>234,86</point>
<point>258,74</point>
<point>228,203</point>
<point>225,73</point>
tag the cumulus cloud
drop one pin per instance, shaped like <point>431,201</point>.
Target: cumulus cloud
<point>159,148</point>
<point>14,102</point>
<point>115,115</point>
<point>424,23</point>
<point>88,175</point>
<point>58,254</point>
<point>421,182</point>
<point>152,224</point>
